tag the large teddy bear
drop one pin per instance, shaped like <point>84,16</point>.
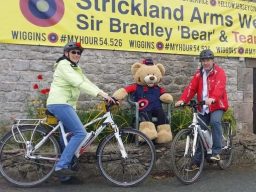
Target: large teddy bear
<point>150,96</point>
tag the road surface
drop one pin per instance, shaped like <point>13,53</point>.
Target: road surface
<point>235,179</point>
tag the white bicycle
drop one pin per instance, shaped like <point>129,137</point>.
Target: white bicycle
<point>29,152</point>
<point>188,140</point>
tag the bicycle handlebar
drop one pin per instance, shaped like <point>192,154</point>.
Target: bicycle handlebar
<point>192,104</point>
<point>109,104</point>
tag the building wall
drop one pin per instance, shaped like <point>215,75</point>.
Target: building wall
<point>110,70</point>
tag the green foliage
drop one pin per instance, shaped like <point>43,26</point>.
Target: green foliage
<point>30,110</point>
<point>4,127</point>
<point>180,118</point>
<point>122,117</point>
<point>229,117</point>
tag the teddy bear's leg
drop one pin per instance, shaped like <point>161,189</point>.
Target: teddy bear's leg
<point>148,128</point>
<point>164,133</point>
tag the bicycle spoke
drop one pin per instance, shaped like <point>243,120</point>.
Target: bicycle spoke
<point>182,162</point>
<point>131,170</point>
<point>21,170</point>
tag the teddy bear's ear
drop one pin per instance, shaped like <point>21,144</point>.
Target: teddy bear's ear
<point>161,68</point>
<point>135,67</point>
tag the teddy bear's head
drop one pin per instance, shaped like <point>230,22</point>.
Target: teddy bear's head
<point>149,75</point>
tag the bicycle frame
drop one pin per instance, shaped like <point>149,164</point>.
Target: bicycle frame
<point>108,121</point>
<point>197,130</point>
<point>36,122</point>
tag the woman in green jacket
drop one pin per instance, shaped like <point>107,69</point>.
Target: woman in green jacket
<point>68,81</point>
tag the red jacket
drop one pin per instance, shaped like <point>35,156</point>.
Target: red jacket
<point>216,82</point>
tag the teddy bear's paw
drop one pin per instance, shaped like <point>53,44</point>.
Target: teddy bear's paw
<point>150,134</point>
<point>164,138</point>
<point>148,128</point>
<point>164,134</point>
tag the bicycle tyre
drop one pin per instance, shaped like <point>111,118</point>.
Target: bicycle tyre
<point>133,170</point>
<point>181,163</point>
<point>226,155</point>
<point>25,172</point>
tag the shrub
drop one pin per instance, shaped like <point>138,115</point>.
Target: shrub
<point>121,116</point>
<point>229,117</point>
<point>4,128</point>
<point>182,118</point>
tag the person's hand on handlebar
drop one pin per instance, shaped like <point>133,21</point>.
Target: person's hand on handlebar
<point>209,101</point>
<point>179,103</point>
<point>107,97</point>
<point>118,102</point>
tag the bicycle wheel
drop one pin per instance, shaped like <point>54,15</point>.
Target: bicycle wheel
<point>181,162</point>
<point>226,154</point>
<point>23,171</point>
<point>129,171</point>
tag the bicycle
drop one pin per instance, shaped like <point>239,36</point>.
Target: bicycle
<point>193,138</point>
<point>28,153</point>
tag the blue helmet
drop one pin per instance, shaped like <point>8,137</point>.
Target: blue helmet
<point>206,54</point>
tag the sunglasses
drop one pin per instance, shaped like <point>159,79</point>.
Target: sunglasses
<point>76,52</point>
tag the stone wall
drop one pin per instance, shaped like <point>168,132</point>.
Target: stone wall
<point>110,70</point>
<point>243,105</point>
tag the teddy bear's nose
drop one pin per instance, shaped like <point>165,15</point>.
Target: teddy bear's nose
<point>152,78</point>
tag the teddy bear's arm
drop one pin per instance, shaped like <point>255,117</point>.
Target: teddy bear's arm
<point>165,97</point>
<point>120,94</point>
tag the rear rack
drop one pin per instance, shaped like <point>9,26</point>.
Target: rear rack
<point>24,122</point>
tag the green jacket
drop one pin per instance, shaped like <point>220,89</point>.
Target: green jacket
<point>67,83</point>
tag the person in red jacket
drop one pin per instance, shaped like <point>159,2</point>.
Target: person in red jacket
<point>209,84</point>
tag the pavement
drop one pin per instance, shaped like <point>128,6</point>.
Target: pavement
<point>234,179</point>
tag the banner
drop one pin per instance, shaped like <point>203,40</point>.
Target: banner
<point>227,27</point>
